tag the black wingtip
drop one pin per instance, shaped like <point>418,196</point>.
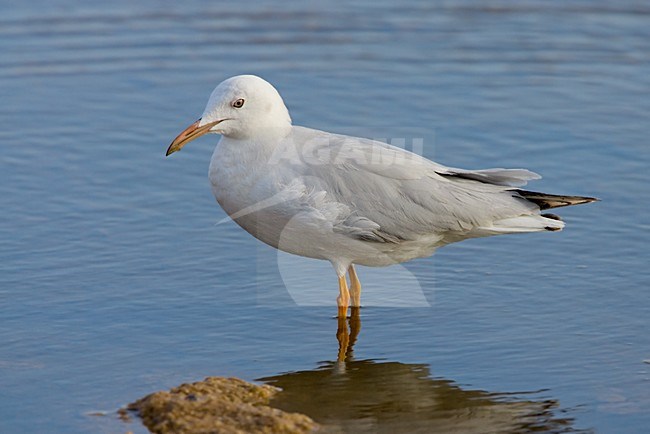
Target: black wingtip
<point>548,201</point>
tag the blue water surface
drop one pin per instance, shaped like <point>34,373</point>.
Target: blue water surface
<point>115,280</point>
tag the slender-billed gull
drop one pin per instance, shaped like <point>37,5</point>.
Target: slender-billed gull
<point>351,200</point>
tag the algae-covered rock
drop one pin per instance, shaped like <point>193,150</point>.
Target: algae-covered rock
<point>218,405</point>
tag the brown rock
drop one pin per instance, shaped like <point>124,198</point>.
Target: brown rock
<point>218,405</point>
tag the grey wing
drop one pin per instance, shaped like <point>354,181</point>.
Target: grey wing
<point>393,195</point>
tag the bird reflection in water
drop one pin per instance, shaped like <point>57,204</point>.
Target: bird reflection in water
<point>369,396</point>
<point>348,337</point>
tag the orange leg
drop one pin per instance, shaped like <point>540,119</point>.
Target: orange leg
<point>343,300</point>
<point>355,287</point>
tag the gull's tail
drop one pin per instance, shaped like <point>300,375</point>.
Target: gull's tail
<point>534,222</point>
<point>548,201</point>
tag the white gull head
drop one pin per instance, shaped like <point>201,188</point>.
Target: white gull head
<point>244,107</point>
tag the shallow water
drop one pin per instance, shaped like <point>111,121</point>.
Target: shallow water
<point>115,280</point>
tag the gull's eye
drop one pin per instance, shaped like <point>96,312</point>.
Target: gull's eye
<point>238,103</point>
